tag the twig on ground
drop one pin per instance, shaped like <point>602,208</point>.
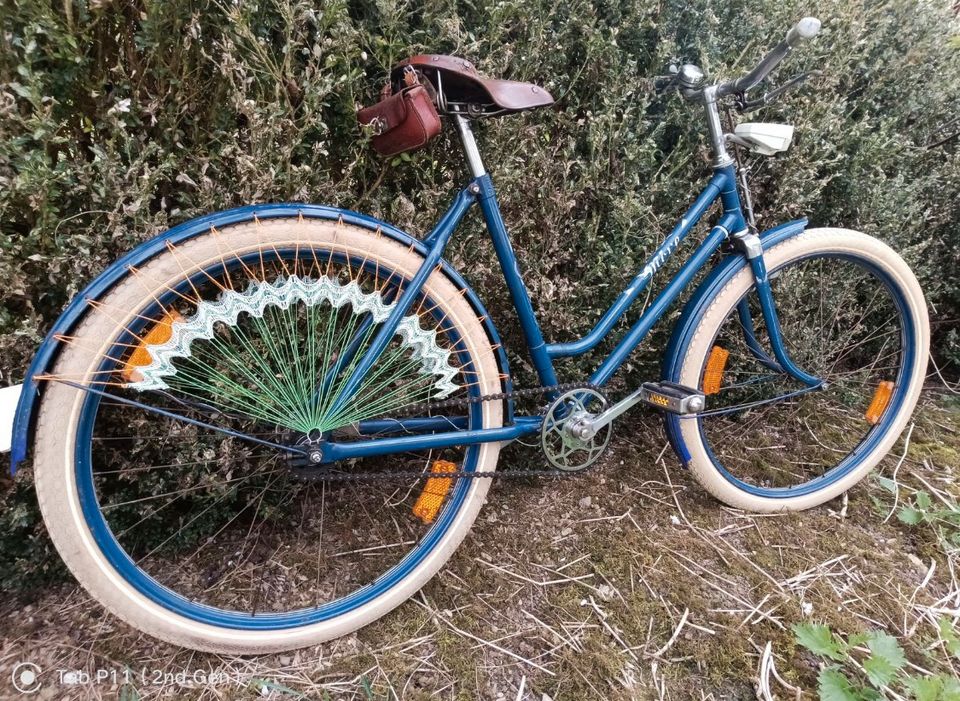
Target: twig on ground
<point>523,684</point>
<point>896,485</point>
<point>603,621</point>
<point>768,668</point>
<point>676,632</point>
<point>471,636</point>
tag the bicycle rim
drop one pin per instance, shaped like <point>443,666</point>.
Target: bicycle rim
<point>843,320</point>
<point>215,529</point>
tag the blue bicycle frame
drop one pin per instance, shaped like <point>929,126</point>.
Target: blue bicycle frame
<point>422,433</point>
<point>436,431</point>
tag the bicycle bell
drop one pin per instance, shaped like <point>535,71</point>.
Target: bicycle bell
<point>689,79</point>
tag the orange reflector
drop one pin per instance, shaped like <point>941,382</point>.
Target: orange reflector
<point>160,333</point>
<point>659,399</point>
<point>713,375</point>
<point>434,492</point>
<point>881,398</point>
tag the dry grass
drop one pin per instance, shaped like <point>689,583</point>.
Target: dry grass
<point>626,583</point>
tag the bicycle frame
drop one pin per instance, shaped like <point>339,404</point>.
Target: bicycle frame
<point>731,225</point>
<point>435,432</point>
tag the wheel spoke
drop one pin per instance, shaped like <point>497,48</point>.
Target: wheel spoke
<point>259,350</point>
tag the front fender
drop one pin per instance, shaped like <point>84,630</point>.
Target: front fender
<point>25,416</point>
<point>695,308</point>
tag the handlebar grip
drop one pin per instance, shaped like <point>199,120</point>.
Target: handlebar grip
<point>759,72</point>
<point>802,31</point>
<point>805,29</point>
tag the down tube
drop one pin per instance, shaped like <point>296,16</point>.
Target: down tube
<point>673,290</point>
<point>640,282</point>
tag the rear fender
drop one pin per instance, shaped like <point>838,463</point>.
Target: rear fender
<point>30,396</point>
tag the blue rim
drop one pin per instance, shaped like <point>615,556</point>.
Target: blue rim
<point>202,613</point>
<point>869,442</point>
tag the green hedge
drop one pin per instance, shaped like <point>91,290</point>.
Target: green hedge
<point>120,119</point>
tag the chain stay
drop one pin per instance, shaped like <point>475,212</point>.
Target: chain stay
<point>321,475</point>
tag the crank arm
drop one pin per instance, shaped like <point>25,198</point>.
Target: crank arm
<point>588,429</point>
<point>668,397</point>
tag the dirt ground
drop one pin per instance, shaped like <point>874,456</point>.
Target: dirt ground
<point>629,582</point>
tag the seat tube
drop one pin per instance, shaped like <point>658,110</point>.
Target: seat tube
<point>482,186</point>
<point>511,274</point>
<point>469,146</point>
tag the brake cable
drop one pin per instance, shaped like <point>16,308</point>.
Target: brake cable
<point>745,105</point>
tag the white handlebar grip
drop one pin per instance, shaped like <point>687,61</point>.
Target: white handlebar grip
<point>805,29</point>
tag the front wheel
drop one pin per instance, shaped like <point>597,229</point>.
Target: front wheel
<point>853,315</point>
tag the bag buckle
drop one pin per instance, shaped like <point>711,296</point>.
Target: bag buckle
<point>410,77</point>
<point>377,126</point>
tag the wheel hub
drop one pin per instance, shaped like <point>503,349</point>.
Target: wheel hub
<point>309,464</point>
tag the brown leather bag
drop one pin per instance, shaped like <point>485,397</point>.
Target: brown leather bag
<point>403,121</point>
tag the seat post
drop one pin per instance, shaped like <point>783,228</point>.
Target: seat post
<point>469,145</point>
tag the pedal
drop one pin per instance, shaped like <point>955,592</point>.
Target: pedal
<point>671,397</point>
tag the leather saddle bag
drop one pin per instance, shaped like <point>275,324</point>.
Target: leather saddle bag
<point>402,121</point>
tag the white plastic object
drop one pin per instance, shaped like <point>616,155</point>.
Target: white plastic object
<point>9,397</point>
<point>804,30</point>
<point>764,138</point>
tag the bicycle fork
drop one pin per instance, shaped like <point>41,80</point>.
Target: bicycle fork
<point>749,244</point>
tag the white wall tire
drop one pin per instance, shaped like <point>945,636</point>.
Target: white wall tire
<point>700,341</point>
<point>60,408</point>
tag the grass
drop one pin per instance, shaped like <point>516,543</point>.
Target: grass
<point>629,582</point>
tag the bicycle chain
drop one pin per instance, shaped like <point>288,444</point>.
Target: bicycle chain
<point>320,475</point>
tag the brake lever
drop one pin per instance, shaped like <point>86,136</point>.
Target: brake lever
<point>745,105</point>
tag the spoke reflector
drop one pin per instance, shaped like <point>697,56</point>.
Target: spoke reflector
<point>713,375</point>
<point>160,333</point>
<point>434,492</point>
<point>881,398</point>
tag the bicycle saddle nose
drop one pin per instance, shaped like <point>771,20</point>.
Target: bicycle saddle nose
<point>462,83</point>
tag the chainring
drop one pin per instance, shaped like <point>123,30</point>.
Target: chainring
<point>561,446</point>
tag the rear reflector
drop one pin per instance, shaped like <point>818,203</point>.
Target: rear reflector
<point>160,333</point>
<point>881,398</point>
<point>713,375</point>
<point>434,492</point>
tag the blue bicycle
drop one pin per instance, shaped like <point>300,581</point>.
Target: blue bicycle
<point>269,426</point>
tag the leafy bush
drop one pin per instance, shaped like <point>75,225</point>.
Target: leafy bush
<point>862,666</point>
<point>118,120</point>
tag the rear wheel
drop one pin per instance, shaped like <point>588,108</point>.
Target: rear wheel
<point>853,315</point>
<point>214,540</point>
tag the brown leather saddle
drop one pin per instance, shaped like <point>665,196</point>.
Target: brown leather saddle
<point>460,86</point>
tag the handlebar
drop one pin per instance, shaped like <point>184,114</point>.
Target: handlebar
<point>804,30</point>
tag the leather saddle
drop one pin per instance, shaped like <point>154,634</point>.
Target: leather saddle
<point>459,84</point>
